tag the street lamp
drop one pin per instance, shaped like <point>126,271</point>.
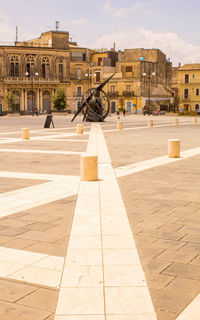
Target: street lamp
<point>32,78</point>
<point>88,75</point>
<point>149,75</point>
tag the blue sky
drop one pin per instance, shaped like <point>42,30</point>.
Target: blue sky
<point>172,26</point>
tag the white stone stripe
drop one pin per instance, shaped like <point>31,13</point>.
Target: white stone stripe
<point>146,127</point>
<point>31,267</point>
<point>102,270</point>
<point>41,151</point>
<point>34,176</point>
<point>151,163</point>
<point>63,140</point>
<point>192,312</point>
<point>26,198</point>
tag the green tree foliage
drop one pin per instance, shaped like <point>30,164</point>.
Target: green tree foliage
<point>59,100</point>
<point>10,99</point>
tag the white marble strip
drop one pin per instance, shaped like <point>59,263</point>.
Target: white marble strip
<point>192,312</point>
<point>41,151</point>
<point>33,176</point>
<point>31,267</point>
<point>102,275</point>
<point>64,140</point>
<point>151,163</point>
<point>146,127</point>
<point>26,198</point>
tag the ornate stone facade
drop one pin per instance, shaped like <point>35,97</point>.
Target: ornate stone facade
<point>33,70</point>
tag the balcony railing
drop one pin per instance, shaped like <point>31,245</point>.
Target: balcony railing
<point>77,95</point>
<point>31,80</point>
<point>113,93</point>
<point>128,93</point>
<point>185,98</point>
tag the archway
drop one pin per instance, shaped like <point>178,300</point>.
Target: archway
<point>46,103</point>
<point>16,105</point>
<point>30,101</point>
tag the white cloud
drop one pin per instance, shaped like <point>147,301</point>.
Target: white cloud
<point>80,21</point>
<point>170,43</point>
<point>123,12</point>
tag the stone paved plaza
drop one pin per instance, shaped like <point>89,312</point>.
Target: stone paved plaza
<point>125,247</point>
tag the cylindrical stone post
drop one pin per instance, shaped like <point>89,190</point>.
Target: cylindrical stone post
<point>25,134</point>
<point>195,120</point>
<point>89,167</point>
<point>79,129</point>
<point>119,125</point>
<point>173,148</point>
<point>176,122</point>
<point>150,123</point>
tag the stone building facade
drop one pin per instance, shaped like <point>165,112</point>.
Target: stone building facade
<point>34,69</point>
<point>189,87</point>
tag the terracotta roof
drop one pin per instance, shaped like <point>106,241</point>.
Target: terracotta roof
<point>191,66</point>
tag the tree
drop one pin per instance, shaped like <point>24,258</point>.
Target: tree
<point>59,99</point>
<point>175,103</point>
<point>10,99</point>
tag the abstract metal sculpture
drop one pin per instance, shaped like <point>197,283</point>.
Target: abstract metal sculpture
<point>96,104</point>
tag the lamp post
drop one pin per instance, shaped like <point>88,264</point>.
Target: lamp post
<point>88,75</point>
<point>32,78</point>
<point>148,75</point>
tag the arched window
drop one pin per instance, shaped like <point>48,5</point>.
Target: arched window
<point>60,68</point>
<point>30,65</point>
<point>196,106</point>
<point>45,67</point>
<point>14,66</point>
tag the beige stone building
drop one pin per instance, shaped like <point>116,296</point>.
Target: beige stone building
<point>33,70</point>
<point>189,87</point>
<point>143,77</point>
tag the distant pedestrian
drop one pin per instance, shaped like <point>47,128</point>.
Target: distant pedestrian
<point>124,112</point>
<point>144,110</point>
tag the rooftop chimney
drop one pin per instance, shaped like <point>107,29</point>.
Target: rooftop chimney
<point>57,25</point>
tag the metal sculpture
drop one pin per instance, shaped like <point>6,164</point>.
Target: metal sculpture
<point>96,104</point>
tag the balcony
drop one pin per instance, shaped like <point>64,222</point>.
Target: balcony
<point>185,98</point>
<point>128,93</point>
<point>113,94</point>
<point>77,95</point>
<point>29,80</point>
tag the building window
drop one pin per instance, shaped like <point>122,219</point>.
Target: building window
<point>99,61</point>
<point>30,65</point>
<point>193,76</point>
<point>45,67</point>
<point>129,69</point>
<point>196,106</point>
<point>98,76</point>
<point>128,88</point>
<point>79,73</point>
<point>14,66</point>
<point>186,93</point>
<point>197,92</point>
<point>60,68</point>
<point>79,91</point>
<point>186,78</point>
<point>112,88</point>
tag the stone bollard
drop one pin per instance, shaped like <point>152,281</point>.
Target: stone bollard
<point>176,122</point>
<point>150,123</point>
<point>195,120</point>
<point>173,148</point>
<point>119,125</point>
<point>79,129</point>
<point>89,167</point>
<point>25,134</point>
